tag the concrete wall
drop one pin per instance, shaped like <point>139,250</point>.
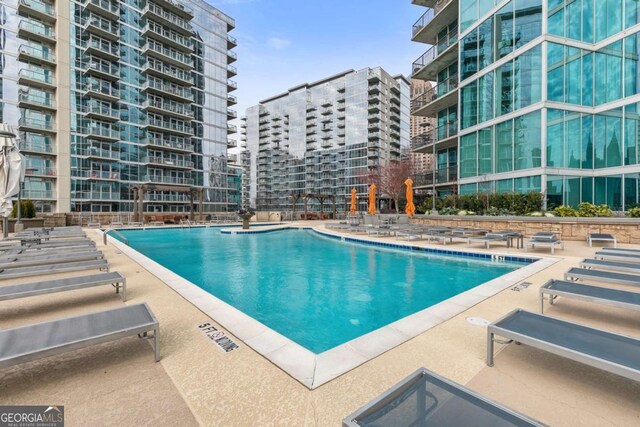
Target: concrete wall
<point>626,230</point>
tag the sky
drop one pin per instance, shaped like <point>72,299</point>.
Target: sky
<point>284,43</point>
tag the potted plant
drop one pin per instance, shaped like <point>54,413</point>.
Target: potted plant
<point>246,217</point>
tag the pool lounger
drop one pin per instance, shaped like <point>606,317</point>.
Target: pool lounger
<point>24,290</point>
<point>622,251</point>
<point>383,230</point>
<point>601,349</point>
<point>427,399</point>
<point>41,244</point>
<point>38,270</point>
<point>36,250</point>
<point>617,256</point>
<point>59,258</point>
<point>618,266</point>
<point>552,243</point>
<point>40,340</point>
<point>599,237</point>
<point>591,293</point>
<point>603,276</point>
<point>487,240</point>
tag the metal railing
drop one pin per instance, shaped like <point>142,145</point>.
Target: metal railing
<point>114,231</point>
<point>443,44</point>
<point>37,28</point>
<point>45,8</point>
<point>441,176</point>
<point>437,91</point>
<point>440,133</point>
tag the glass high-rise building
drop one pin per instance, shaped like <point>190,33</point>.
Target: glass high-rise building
<point>533,95</point>
<point>324,137</point>
<point>109,94</point>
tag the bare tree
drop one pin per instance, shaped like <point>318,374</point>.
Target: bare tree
<point>389,179</point>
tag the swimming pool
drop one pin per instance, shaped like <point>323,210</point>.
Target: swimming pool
<point>319,292</point>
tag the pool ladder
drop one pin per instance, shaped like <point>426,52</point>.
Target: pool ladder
<point>109,230</point>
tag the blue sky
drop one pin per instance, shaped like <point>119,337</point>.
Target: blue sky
<point>283,43</point>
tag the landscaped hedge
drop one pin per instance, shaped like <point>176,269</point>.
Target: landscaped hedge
<point>491,204</point>
<point>27,209</point>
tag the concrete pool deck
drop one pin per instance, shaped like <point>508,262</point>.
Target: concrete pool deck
<point>196,382</point>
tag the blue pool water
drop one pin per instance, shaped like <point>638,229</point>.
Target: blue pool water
<point>317,291</point>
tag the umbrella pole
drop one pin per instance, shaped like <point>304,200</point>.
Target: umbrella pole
<point>5,220</point>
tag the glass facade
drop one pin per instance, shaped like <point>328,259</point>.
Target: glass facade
<point>147,101</point>
<point>554,112</point>
<point>322,138</point>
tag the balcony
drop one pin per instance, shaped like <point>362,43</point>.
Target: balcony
<point>231,85</point>
<point>231,41</point>
<point>169,55</point>
<point>232,129</point>
<point>102,48</point>
<point>169,180</point>
<point>44,11</point>
<point>173,163</point>
<point>97,195</point>
<point>31,194</point>
<point>439,97</point>
<point>231,114</point>
<point>102,90</point>
<point>36,125</point>
<point>181,111</point>
<point>39,171</point>
<point>164,89</point>
<point>37,100</point>
<point>172,126</point>
<point>102,27</point>
<point>176,7</point>
<point>38,146</point>
<point>106,133</point>
<point>231,56</point>
<point>96,110</point>
<point>231,71</point>
<point>231,100</point>
<point>232,143</point>
<point>36,31</point>
<point>162,70</point>
<point>103,175</point>
<point>102,69</point>
<point>438,57</point>
<point>164,197</point>
<point>167,18</point>
<point>427,27</point>
<point>36,78</point>
<point>39,55</point>
<point>168,37</point>
<point>442,176</point>
<point>444,134</point>
<point>99,153</point>
<point>105,8</point>
<point>173,144</point>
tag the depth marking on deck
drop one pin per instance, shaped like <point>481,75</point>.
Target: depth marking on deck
<point>218,337</point>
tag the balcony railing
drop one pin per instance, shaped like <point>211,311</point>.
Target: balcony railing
<point>179,109</point>
<point>438,91</point>
<point>37,98</point>
<point>167,16</point>
<point>177,126</point>
<point>45,8</point>
<point>105,67</point>
<point>96,174</point>
<point>38,53</point>
<point>447,130</point>
<point>100,109</point>
<point>37,194</point>
<point>36,123</point>
<point>103,46</point>
<point>101,131</point>
<point>163,197</point>
<point>37,146</point>
<point>105,5</point>
<point>96,151</point>
<point>37,28</point>
<point>169,53</point>
<point>176,91</point>
<point>169,180</point>
<point>172,36</point>
<point>103,88</point>
<point>174,72</point>
<point>443,44</point>
<point>96,195</point>
<point>166,161</point>
<point>38,76</point>
<point>170,143</point>
<point>441,176</point>
<point>103,24</point>
<point>423,20</point>
<point>39,171</point>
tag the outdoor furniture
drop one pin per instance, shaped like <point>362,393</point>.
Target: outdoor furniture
<point>16,262</point>
<point>41,244</point>
<point>590,293</point>
<point>10,256</point>
<point>603,276</point>
<point>596,237</point>
<point>39,340</point>
<point>617,256</point>
<point>24,290</point>
<point>487,240</point>
<point>39,249</point>
<point>427,399</point>
<point>600,349</point>
<point>601,264</point>
<point>621,250</point>
<point>510,236</point>
<point>38,270</point>
<point>544,239</point>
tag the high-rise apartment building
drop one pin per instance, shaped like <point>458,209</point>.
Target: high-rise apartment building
<point>547,92</point>
<point>109,94</point>
<point>324,137</point>
<point>422,162</point>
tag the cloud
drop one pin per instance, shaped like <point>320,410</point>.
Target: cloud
<point>278,43</point>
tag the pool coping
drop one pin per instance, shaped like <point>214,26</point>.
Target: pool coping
<point>311,369</point>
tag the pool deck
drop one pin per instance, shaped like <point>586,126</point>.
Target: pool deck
<point>197,383</point>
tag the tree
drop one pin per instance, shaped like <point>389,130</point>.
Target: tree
<point>389,179</point>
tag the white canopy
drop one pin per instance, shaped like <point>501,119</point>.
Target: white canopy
<point>12,166</point>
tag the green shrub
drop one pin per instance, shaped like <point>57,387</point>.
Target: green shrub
<point>27,209</point>
<point>587,210</point>
<point>565,211</point>
<point>604,211</point>
<point>634,212</point>
<point>448,210</point>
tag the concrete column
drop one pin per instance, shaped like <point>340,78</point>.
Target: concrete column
<point>63,114</point>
